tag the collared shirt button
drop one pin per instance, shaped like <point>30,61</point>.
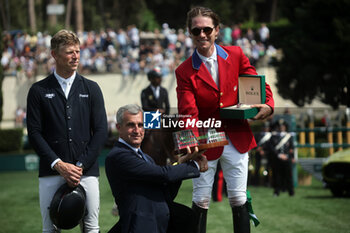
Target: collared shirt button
<point>68,106</point>
<point>70,140</point>
<point>69,128</point>
<point>68,117</point>
<point>221,104</point>
<point>221,93</point>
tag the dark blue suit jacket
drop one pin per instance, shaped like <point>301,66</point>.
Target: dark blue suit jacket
<point>142,189</point>
<point>150,103</point>
<point>72,129</point>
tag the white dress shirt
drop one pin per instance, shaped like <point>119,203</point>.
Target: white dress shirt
<point>212,65</point>
<point>65,83</point>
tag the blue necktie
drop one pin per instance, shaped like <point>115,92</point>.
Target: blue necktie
<point>139,151</point>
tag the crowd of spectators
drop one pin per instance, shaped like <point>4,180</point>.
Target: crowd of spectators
<point>126,51</point>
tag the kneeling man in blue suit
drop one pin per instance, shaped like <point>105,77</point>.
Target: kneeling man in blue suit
<point>142,189</point>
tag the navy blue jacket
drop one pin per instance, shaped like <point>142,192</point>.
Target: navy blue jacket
<point>150,103</point>
<point>142,189</point>
<point>73,129</point>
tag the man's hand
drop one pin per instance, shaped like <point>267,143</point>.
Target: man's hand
<point>283,157</point>
<point>161,110</point>
<point>264,111</point>
<point>69,172</point>
<point>191,155</point>
<point>202,162</point>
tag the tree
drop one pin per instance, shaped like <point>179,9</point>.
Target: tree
<point>5,14</point>
<point>31,13</point>
<point>316,52</point>
<point>53,17</point>
<point>129,12</point>
<point>79,20</point>
<point>68,14</point>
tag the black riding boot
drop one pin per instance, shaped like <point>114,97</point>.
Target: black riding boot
<point>201,218</point>
<point>241,222</point>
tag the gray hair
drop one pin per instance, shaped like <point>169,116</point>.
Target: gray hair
<point>131,108</point>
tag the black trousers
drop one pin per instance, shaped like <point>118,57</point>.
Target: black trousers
<point>284,179</point>
<point>182,219</point>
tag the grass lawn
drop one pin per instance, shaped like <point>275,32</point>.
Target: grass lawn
<point>312,209</point>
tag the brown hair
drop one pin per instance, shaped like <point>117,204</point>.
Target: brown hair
<point>202,11</point>
<point>62,38</point>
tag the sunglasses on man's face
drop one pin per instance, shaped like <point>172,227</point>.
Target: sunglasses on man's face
<point>206,30</point>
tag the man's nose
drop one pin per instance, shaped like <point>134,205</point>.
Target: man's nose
<point>137,128</point>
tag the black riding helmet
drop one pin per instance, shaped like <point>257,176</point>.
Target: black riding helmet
<point>68,206</point>
<point>154,73</point>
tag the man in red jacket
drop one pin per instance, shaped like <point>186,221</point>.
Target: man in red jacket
<point>206,82</point>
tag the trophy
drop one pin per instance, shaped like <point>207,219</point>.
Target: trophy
<point>206,139</point>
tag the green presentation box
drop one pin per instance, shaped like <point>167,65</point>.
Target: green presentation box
<point>251,90</point>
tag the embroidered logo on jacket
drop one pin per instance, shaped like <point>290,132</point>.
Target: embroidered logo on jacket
<point>49,95</point>
<point>84,95</point>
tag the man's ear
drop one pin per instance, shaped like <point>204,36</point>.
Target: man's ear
<point>117,125</point>
<point>53,54</point>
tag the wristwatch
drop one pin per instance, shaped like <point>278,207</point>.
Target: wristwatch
<point>80,164</point>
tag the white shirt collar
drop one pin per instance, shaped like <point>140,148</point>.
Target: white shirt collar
<point>155,90</point>
<point>69,80</point>
<point>127,144</point>
<point>205,59</point>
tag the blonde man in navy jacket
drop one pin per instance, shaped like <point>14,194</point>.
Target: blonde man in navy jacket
<point>67,127</point>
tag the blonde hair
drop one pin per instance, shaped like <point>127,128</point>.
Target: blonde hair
<point>62,38</point>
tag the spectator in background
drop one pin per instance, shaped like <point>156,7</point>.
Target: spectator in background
<point>86,59</point>
<point>99,63</point>
<point>180,43</point>
<point>262,153</point>
<point>165,32</point>
<point>6,59</point>
<point>157,55</point>
<point>122,40</point>
<point>29,67</point>
<point>250,35</point>
<point>134,68</point>
<point>174,49</point>
<point>125,68</point>
<point>227,37</point>
<point>107,42</point>
<point>155,97</point>
<point>236,33</point>
<point>134,36</point>
<point>264,34</point>
<point>282,149</point>
<point>19,114</point>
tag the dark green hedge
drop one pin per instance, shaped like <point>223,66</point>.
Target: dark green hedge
<point>11,139</point>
